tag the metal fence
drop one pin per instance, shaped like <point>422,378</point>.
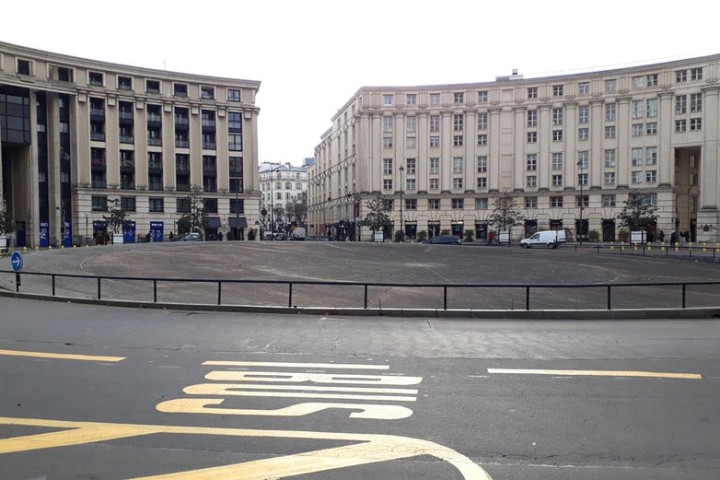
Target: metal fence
<point>366,295</point>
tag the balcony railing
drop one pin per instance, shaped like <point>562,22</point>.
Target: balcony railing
<point>154,142</point>
<point>182,143</point>
<point>97,137</point>
<point>127,139</point>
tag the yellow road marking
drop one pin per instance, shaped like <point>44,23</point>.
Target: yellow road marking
<point>61,356</point>
<point>367,449</point>
<point>596,373</point>
<point>201,405</point>
<point>339,366</point>
<point>236,389</point>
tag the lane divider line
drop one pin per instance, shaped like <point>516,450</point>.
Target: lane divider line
<point>596,373</point>
<point>61,356</point>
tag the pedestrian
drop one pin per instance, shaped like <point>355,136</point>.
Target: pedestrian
<point>661,236</point>
<point>148,237</point>
<point>172,235</point>
<point>673,238</point>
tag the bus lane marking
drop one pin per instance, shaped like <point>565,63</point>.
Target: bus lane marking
<point>338,366</point>
<point>367,449</point>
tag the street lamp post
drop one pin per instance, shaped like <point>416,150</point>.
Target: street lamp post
<point>402,189</point>
<point>582,199</point>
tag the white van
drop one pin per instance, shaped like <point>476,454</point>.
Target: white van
<point>545,238</point>
<point>299,233</point>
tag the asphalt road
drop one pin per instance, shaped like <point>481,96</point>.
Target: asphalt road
<point>368,262</point>
<point>100,393</point>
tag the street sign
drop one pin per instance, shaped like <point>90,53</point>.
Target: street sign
<point>16,261</point>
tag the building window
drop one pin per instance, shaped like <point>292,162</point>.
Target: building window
<point>210,205</point>
<point>182,205</point>
<point>387,166</point>
<point>651,176</point>
<point>434,141</point>
<point>458,122</point>
<point>583,133</point>
<point>434,184</point>
<point>530,202</point>
<point>411,124</point>
<point>152,86</point>
<point>481,164</point>
<point>410,166</point>
<point>609,161</point>
<point>458,140</point>
<point>411,142</point>
<point>557,161</point>
<point>95,79</point>
<point>458,165</point>
<point>532,118</point>
<point>557,116</point>
<point>652,80</point>
<point>235,143</point>
<point>583,159</point>
<point>127,204</point>
<point>652,108</point>
<point>434,123</point>
<point>532,92</point>
<point>99,203</point>
<point>680,104</point>
<point>387,184</point>
<point>556,202</point>
<point>650,155</point>
<point>531,162</point>
<point>411,99</point>
<point>557,135</point>
<point>681,76</point>
<point>482,119</point>
<point>608,200</point>
<point>124,83</point>
<point>234,95</point>
<point>696,74</point>
<point>388,124</point>
<point>609,178</point>
<point>458,203</point>
<point>582,179</point>
<point>680,126</point>
<point>156,205</point>
<point>695,124</point>
<point>531,181</point>
<point>387,100</point>
<point>482,139</point>
<point>434,99</point>
<point>180,89</point>
<point>433,204</point>
<point>410,204</point>
<point>636,176</point>
<point>638,109</point>
<point>457,183</point>
<point>583,114</point>
<point>651,128</point>
<point>637,129</point>
<point>458,98</point>
<point>582,201</point>
<point>434,165</point>
<point>482,96</point>
<point>558,90</point>
<point>410,184</point>
<point>610,85</point>
<point>482,182</point>
<point>610,112</point>
<point>584,88</point>
<point>531,137</point>
<point>24,67</point>
<point>557,180</point>
<point>695,102</point>
<point>207,93</point>
<point>481,203</point>
<point>610,132</point>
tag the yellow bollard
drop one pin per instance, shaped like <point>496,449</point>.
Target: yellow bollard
<point>662,247</point>
<point>649,247</point>
<point>612,247</point>
<point>37,248</point>
<point>622,247</point>
<point>635,247</point>
<point>704,247</point>
<point>677,247</point>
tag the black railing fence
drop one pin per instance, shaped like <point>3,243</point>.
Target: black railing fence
<point>366,295</point>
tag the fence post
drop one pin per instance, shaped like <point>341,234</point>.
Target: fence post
<point>219,292</point>
<point>527,297</point>
<point>290,294</point>
<point>444,297</point>
<point>366,296</point>
<point>154,290</point>
<point>53,284</point>
<point>609,298</point>
<point>683,294</point>
<point>99,289</point>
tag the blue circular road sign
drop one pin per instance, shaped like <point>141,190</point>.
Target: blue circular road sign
<point>16,260</point>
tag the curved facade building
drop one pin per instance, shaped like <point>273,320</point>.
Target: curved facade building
<point>570,149</point>
<point>80,137</point>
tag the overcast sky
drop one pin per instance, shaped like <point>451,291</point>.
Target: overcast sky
<point>312,55</point>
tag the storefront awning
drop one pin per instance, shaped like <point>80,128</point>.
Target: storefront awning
<point>213,222</point>
<point>237,222</point>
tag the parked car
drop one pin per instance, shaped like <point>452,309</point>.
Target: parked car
<point>189,237</point>
<point>545,238</point>
<point>444,240</point>
<point>299,233</point>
